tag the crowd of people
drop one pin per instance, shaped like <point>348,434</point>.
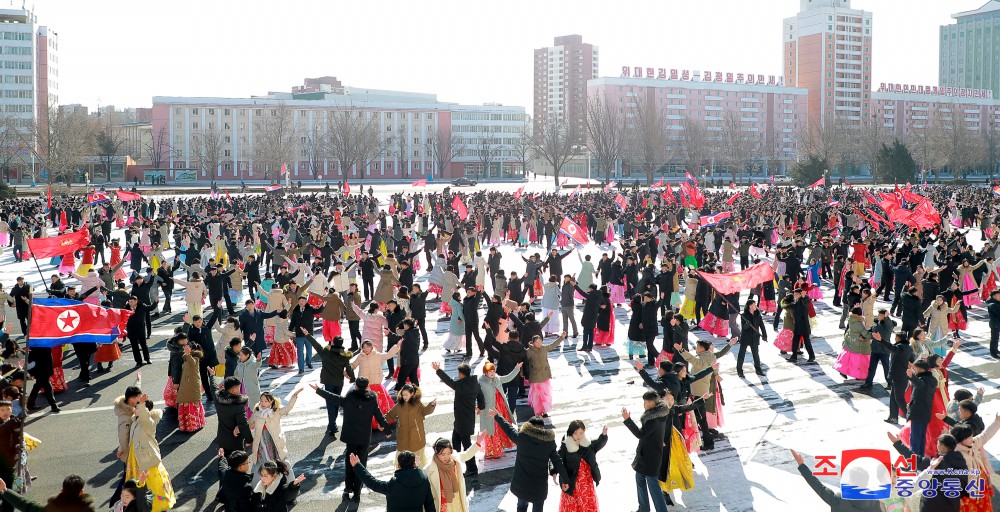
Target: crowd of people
<point>260,278</point>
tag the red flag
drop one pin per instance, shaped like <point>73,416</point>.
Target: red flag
<point>692,178</point>
<point>609,185</point>
<point>127,196</point>
<point>819,183</point>
<point>518,193</point>
<point>284,169</point>
<point>227,194</point>
<point>753,190</point>
<point>272,188</point>
<point>902,216</point>
<point>745,280</point>
<point>420,183</point>
<point>871,199</point>
<point>732,186</point>
<point>574,231</point>
<point>875,216</point>
<point>55,322</point>
<point>927,209</point>
<point>910,197</point>
<point>621,202</point>
<point>347,189</point>
<point>658,183</point>
<point>848,183</point>
<point>48,196</point>
<point>59,245</point>
<point>668,191</point>
<point>644,202</point>
<point>733,199</point>
<point>459,207</point>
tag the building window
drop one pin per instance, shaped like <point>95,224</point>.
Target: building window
<point>211,111</point>
<point>225,111</point>
<point>194,111</point>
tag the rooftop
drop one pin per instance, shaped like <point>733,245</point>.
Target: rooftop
<point>991,7</point>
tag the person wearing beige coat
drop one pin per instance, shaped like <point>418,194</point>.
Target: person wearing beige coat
<point>411,435</point>
<point>456,461</point>
<point>368,362</point>
<point>268,414</point>
<point>973,449</point>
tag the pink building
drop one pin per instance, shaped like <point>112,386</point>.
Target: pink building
<point>827,48</point>
<point>905,110</point>
<point>772,113</point>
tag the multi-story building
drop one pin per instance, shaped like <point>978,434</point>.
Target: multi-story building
<point>827,49</point>
<point>970,50</point>
<point>235,139</point>
<point>904,111</point>
<point>767,112</point>
<point>561,74</point>
<point>29,86</point>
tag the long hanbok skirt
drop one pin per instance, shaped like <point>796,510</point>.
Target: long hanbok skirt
<point>540,397</point>
<point>584,497</point>
<point>384,401</point>
<point>283,354</point>
<point>157,482</point>
<point>988,286</point>
<point>68,264</point>
<point>768,306</point>
<point>107,353</point>
<point>331,330</point>
<point>553,325</point>
<point>692,436</point>
<point>4,237</point>
<point>445,307</point>
<point>983,504</point>
<point>715,325</point>
<point>498,442</point>
<point>784,340</point>
<point>605,338</point>
<point>972,299</point>
<point>814,292</point>
<point>934,429</point>
<point>454,342</point>
<point>191,416</point>
<point>714,419</point>
<point>956,321</point>
<point>688,308</point>
<point>681,472</point>
<point>269,334</point>
<point>617,293</point>
<point>58,378</point>
<point>169,393</point>
<point>853,365</point>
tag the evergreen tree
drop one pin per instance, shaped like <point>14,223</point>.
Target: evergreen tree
<point>896,164</point>
<point>808,172</point>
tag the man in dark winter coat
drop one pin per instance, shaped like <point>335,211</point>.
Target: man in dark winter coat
<point>409,353</point>
<point>881,334</point>
<point>591,308</point>
<point>230,410</point>
<point>507,356</point>
<point>468,399</point>
<point>407,491</point>
<point>235,491</point>
<point>910,311</point>
<point>252,325</point>
<point>993,308</point>
<point>650,328</point>
<point>536,448</point>
<point>924,385</point>
<point>666,379</point>
<point>834,498</point>
<point>649,452</point>
<point>802,332</point>
<point>302,322</point>
<point>336,363</point>
<point>470,311</point>
<point>900,358</point>
<point>360,406</point>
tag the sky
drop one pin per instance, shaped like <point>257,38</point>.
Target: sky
<point>124,52</point>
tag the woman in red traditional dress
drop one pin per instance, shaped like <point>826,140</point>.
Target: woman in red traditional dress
<point>939,368</point>
<point>491,385</point>
<point>579,456</point>
<point>116,259</point>
<point>58,378</point>
<point>190,411</point>
<point>604,333</point>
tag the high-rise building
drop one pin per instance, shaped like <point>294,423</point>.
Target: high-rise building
<point>561,74</point>
<point>30,82</point>
<point>970,50</point>
<point>827,48</point>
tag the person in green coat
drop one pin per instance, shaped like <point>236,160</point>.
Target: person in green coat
<point>854,359</point>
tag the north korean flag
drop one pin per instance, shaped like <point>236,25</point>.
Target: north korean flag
<point>574,231</point>
<point>272,188</point>
<point>97,198</point>
<point>711,220</point>
<point>55,322</point>
<point>621,202</point>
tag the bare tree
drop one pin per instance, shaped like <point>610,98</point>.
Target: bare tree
<point>488,150</point>
<point>443,147</point>
<point>110,141</point>
<point>695,144</point>
<point>523,146</point>
<point>314,148</point>
<point>738,146</point>
<point>64,138</point>
<point>274,141</point>
<point>605,133</point>
<point>12,148</point>
<point>354,139</point>
<point>991,145</point>
<point>924,146</point>
<point>828,141</point>
<point>556,143</point>
<point>209,148</point>
<point>959,147</point>
<point>647,137</point>
<point>871,137</point>
<point>400,146</point>
<point>158,147</point>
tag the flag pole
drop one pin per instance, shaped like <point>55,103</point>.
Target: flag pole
<point>43,280</point>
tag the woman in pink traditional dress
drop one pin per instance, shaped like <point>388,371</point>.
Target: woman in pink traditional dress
<point>368,364</point>
<point>716,322</point>
<point>491,385</point>
<point>939,369</point>
<point>190,411</point>
<point>853,359</point>
<point>579,456</point>
<point>68,264</point>
<point>968,282</point>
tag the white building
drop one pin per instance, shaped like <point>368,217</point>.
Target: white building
<point>29,64</point>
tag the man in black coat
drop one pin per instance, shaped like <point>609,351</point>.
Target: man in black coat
<point>216,283</point>
<point>591,307</point>
<point>407,491</point>
<point>235,491</point>
<point>993,309</point>
<point>135,327</point>
<point>336,365</point>
<point>199,333</point>
<point>233,432</point>
<point>470,310</point>
<point>649,452</point>
<point>360,406</point>
<point>252,270</point>
<point>900,358</point>
<point>802,332</point>
<point>536,449</point>
<point>881,334</point>
<point>409,353</point>
<point>650,327</point>
<point>493,264</point>
<point>21,293</point>
<point>919,410</point>
<point>910,311</point>
<point>468,399</point>
<point>301,322</point>
<point>252,325</point>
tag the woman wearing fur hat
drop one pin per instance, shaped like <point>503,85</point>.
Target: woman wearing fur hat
<point>492,386</point>
<point>579,455</point>
<point>410,411</point>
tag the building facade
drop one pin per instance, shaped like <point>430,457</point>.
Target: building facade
<point>767,113</point>
<point>560,85</point>
<point>970,50</point>
<point>416,129</point>
<point>827,49</point>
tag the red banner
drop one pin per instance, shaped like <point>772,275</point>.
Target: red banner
<point>745,280</point>
<point>459,207</point>
<point>59,245</point>
<point>127,196</point>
